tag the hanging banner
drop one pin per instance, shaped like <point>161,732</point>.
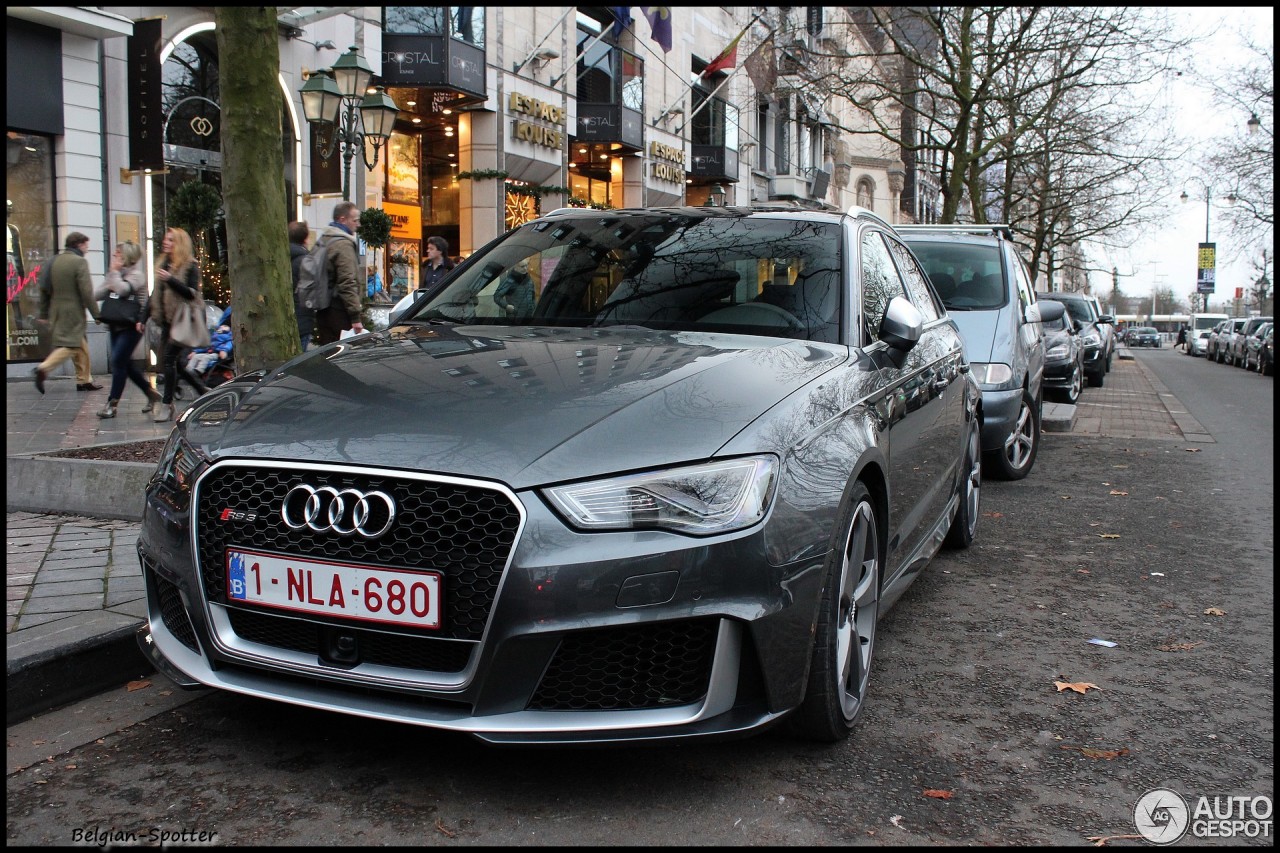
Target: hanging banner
<point>146,119</point>
<point>1206,268</point>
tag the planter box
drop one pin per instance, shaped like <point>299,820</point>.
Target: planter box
<point>89,487</point>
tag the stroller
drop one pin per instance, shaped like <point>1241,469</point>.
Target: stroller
<point>215,364</point>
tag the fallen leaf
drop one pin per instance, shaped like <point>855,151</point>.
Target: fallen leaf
<point>1180,647</point>
<point>1082,571</point>
<point>1077,686</point>
<point>1118,492</point>
<point>1214,611</point>
<point>1109,535</point>
<point>39,742</point>
<point>137,685</point>
<point>1065,497</point>
<point>1092,752</point>
<point>1192,449</point>
<point>69,767</point>
<point>444,830</point>
<point>993,514</point>
<point>1095,524</point>
<point>1175,524</point>
<point>1101,840</point>
<point>936,794</point>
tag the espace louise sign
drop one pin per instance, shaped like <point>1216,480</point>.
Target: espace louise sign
<point>527,131</point>
<point>671,163</point>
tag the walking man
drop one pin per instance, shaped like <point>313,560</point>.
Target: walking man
<point>62,305</point>
<point>344,311</point>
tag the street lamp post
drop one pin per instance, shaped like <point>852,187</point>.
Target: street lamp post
<point>337,96</point>
<point>1208,195</point>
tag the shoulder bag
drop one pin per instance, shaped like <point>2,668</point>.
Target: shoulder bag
<point>118,310</point>
<point>189,324</point>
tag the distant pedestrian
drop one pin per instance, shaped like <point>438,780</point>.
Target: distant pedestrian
<point>437,264</point>
<point>344,311</point>
<point>126,279</point>
<point>62,305</point>
<point>177,281</point>
<point>514,297</point>
<point>1182,337</point>
<point>298,234</point>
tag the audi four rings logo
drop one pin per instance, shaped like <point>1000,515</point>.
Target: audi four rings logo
<point>342,511</point>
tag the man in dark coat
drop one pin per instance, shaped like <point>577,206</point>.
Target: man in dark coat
<point>62,305</point>
<point>344,311</point>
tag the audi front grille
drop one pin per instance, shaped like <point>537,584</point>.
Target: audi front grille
<point>462,530</point>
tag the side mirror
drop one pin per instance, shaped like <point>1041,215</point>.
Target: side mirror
<point>1108,319</point>
<point>1077,325</point>
<point>1045,311</point>
<point>902,325</point>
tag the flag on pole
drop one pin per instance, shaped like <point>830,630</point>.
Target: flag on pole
<point>660,21</point>
<point>621,19</point>
<point>728,57</point>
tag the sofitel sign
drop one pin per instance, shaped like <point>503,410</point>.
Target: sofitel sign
<point>528,131</point>
<point>673,170</point>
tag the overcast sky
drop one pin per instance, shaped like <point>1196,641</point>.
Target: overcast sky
<point>1167,256</point>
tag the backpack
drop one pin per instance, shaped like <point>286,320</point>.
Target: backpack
<point>314,291</point>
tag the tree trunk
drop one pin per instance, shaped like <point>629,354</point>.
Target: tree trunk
<point>264,326</point>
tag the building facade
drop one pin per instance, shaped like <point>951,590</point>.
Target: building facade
<point>502,113</point>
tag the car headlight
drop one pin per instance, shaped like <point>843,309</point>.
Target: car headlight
<point>716,497</point>
<point>1092,339</point>
<point>180,463</point>
<point>1058,351</point>
<point>994,373</point>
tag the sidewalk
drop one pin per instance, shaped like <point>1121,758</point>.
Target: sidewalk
<point>74,587</point>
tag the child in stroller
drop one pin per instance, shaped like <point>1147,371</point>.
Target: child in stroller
<point>214,364</point>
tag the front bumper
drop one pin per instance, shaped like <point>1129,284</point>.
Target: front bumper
<point>1094,362</point>
<point>588,638</point>
<point>1057,374</point>
<point>999,416</point>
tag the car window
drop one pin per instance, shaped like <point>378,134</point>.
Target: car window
<point>965,275</point>
<point>880,283</point>
<point>917,286</point>
<point>1026,293</point>
<point>1077,309</point>
<point>763,276</point>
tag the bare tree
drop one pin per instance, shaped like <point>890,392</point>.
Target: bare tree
<point>265,328</point>
<point>1038,116</point>
<point>1245,157</point>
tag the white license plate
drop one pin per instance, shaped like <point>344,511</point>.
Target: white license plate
<point>393,596</point>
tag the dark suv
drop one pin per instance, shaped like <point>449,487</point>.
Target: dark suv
<point>668,495</point>
<point>1082,312</point>
<point>983,282</point>
<point>1239,346</point>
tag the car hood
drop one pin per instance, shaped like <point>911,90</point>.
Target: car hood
<point>978,328</point>
<point>525,406</point>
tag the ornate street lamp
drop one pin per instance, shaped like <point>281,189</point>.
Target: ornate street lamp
<point>337,97</point>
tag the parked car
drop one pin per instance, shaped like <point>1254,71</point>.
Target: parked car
<point>1211,351</point>
<point>1238,348</point>
<point>1080,310</point>
<point>984,284</point>
<point>668,499</point>
<point>1267,353</point>
<point>1226,338</point>
<point>1144,336</point>
<point>1253,346</point>
<point>1198,342</point>
<point>1063,358</point>
<point>1106,326</point>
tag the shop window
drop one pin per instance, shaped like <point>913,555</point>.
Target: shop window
<point>466,23</point>
<point>782,137</point>
<point>713,124</point>
<point>415,20</point>
<point>30,241</point>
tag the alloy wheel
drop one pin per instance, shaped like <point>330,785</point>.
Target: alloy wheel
<point>1077,383</point>
<point>859,593</point>
<point>1021,442</point>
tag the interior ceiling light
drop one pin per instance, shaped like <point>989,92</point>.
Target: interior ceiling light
<point>417,121</point>
<point>411,103</point>
<point>447,111</point>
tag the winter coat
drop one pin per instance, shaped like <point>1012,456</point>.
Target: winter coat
<point>431,276</point>
<point>306,317</point>
<point>342,272</point>
<point>168,295</point>
<point>70,294</point>
<point>516,290</point>
<point>124,281</point>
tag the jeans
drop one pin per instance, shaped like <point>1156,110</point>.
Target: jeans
<point>175,368</point>
<point>123,341</point>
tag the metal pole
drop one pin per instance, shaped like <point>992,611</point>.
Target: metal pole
<point>1208,192</point>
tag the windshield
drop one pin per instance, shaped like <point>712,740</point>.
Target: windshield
<point>668,270</point>
<point>966,275</point>
<point>1206,322</point>
<point>1078,309</point>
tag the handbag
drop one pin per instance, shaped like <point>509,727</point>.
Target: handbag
<point>117,310</point>
<point>188,327</point>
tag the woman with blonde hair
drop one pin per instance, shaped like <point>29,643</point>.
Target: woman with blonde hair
<point>125,280</point>
<point>177,281</point>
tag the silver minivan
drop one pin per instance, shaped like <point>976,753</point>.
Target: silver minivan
<point>985,287</point>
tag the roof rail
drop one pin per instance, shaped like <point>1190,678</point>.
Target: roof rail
<point>972,228</point>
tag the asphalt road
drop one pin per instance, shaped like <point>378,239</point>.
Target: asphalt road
<point>1118,539</point>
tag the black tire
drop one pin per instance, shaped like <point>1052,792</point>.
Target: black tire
<point>965,522</point>
<point>1097,378</point>
<point>1014,460</point>
<point>845,637</point>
